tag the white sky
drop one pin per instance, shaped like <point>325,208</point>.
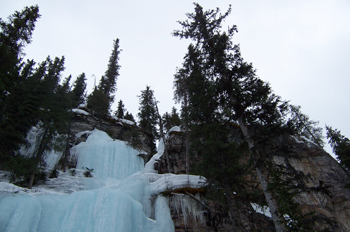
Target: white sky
<point>302,48</point>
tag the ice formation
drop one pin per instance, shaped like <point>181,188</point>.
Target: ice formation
<point>118,197</point>
<point>185,204</point>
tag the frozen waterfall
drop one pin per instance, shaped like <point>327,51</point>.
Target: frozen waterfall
<point>116,199</point>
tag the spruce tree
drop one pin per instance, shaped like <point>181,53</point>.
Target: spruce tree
<point>54,115</point>
<point>129,116</point>
<point>341,147</point>
<point>14,36</point>
<point>100,100</point>
<point>171,120</point>
<point>120,110</point>
<point>303,126</point>
<point>108,82</point>
<point>148,117</point>
<point>79,90</point>
<point>17,81</point>
<point>219,86</point>
<point>98,103</point>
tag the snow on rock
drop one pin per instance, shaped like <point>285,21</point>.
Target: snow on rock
<point>170,182</point>
<point>124,121</point>
<point>82,106</point>
<point>261,209</point>
<point>174,129</point>
<point>80,111</point>
<point>79,134</point>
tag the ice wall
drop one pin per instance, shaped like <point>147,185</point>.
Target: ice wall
<point>122,203</point>
<point>108,157</point>
<point>123,196</point>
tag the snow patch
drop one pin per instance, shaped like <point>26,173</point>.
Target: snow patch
<point>261,209</point>
<point>80,111</point>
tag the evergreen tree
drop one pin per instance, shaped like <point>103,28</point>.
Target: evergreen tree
<point>303,126</point>
<point>120,110</point>
<point>148,117</point>
<point>108,82</point>
<point>14,36</point>
<point>79,90</point>
<point>220,87</point>
<point>18,79</point>
<point>129,116</point>
<point>98,103</point>
<point>100,100</point>
<point>341,147</point>
<point>171,120</point>
<point>54,115</point>
<point>166,122</point>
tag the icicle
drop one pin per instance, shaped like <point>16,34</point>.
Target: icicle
<point>188,207</point>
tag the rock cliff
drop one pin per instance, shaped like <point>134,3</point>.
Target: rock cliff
<point>323,192</point>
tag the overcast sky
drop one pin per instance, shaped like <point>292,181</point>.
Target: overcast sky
<point>302,48</point>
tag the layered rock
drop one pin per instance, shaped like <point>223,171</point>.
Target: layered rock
<point>323,193</point>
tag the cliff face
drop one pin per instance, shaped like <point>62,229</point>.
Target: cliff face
<point>327,196</point>
<point>323,192</point>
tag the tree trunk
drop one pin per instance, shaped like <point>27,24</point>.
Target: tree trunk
<point>276,215</point>
<point>31,179</point>
<point>66,152</point>
<point>232,208</point>
<point>187,138</point>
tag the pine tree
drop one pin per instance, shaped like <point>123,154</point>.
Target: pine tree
<point>18,81</point>
<point>98,103</point>
<point>171,120</point>
<point>108,82</point>
<point>303,126</point>
<point>129,116</point>
<point>14,36</point>
<point>120,110</point>
<point>54,116</point>
<point>341,147</point>
<point>79,90</point>
<point>219,86</point>
<point>100,100</point>
<point>148,117</point>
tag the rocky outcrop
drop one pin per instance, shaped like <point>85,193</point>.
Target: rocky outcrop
<point>323,192</point>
